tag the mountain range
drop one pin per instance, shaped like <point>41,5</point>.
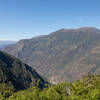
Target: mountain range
<point>6,43</point>
<point>64,55</point>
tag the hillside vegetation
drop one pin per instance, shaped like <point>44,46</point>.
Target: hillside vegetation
<point>16,74</point>
<point>88,88</point>
<point>64,55</point>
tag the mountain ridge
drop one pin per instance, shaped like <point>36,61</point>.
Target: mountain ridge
<point>66,53</point>
<point>4,43</point>
<point>14,72</point>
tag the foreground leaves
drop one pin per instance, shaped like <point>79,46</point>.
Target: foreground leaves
<point>88,88</point>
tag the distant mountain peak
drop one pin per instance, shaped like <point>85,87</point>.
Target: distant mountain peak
<point>65,54</point>
<point>77,29</point>
<point>88,28</point>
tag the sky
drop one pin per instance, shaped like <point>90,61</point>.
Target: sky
<point>20,19</point>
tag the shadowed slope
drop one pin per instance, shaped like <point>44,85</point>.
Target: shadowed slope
<point>14,72</point>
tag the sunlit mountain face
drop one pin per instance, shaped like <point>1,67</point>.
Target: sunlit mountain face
<point>64,55</point>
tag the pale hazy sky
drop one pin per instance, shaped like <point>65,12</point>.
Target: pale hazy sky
<point>27,18</point>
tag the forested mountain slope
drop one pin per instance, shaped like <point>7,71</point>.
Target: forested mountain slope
<point>15,73</point>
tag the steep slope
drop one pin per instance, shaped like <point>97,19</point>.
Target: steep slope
<point>15,73</point>
<point>66,54</point>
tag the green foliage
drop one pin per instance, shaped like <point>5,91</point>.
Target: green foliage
<point>6,91</point>
<point>52,93</point>
<point>88,88</point>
